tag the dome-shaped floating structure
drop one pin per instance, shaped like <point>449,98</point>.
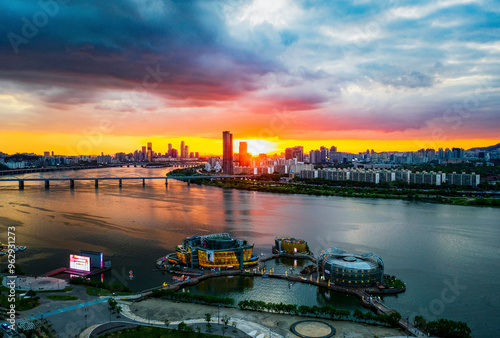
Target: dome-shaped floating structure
<point>215,251</point>
<point>349,269</point>
<point>290,245</point>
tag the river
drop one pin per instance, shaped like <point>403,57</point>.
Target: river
<point>447,255</point>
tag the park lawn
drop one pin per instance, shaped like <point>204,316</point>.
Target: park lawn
<point>61,297</point>
<point>92,291</point>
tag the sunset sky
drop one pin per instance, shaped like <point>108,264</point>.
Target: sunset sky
<point>85,77</point>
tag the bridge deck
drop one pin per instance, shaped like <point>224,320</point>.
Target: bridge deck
<point>108,178</point>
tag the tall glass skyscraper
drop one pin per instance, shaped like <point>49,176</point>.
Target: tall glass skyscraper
<point>227,152</point>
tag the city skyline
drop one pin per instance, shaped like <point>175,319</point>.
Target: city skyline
<point>397,76</point>
<point>166,148</point>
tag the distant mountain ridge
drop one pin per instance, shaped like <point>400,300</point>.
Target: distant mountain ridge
<point>490,148</point>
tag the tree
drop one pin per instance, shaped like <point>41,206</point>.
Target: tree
<point>167,322</point>
<point>31,293</point>
<point>449,329</point>
<point>182,326</point>
<point>208,318</point>
<point>118,310</point>
<point>226,320</point>
<point>420,322</point>
<point>112,303</point>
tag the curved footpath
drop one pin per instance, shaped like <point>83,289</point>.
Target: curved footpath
<point>246,327</point>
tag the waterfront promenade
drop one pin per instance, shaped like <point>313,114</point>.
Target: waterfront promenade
<point>365,294</point>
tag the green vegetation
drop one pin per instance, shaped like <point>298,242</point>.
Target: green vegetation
<point>185,171</point>
<point>96,288</point>
<point>326,311</point>
<point>91,291</point>
<point>481,202</point>
<point>443,328</point>
<point>156,332</point>
<point>30,301</point>
<point>4,167</point>
<point>392,281</point>
<point>395,190</point>
<point>61,297</point>
<point>17,270</point>
<point>189,298</point>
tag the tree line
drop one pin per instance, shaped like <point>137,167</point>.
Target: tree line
<point>101,285</point>
<point>192,298</point>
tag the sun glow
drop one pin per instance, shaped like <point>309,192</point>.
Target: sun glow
<point>256,146</point>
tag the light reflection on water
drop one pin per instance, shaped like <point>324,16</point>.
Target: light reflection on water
<point>424,244</point>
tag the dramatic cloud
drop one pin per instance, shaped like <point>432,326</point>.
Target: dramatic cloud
<point>198,67</point>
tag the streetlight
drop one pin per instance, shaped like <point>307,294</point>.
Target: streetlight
<point>407,318</point>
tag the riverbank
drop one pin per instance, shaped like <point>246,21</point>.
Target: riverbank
<point>323,190</point>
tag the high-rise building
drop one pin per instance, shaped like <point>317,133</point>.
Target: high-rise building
<point>197,154</point>
<point>182,150</point>
<point>295,152</point>
<point>144,153</point>
<point>244,154</point>
<point>170,149</point>
<point>150,152</point>
<point>227,152</point>
<point>46,153</point>
<point>186,151</point>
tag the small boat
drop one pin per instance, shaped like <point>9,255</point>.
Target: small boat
<point>165,284</point>
<point>131,274</point>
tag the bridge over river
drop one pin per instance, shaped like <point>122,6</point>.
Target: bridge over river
<point>111,178</point>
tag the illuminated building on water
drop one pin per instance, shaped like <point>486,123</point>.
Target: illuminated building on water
<point>290,245</point>
<point>214,251</point>
<point>348,269</point>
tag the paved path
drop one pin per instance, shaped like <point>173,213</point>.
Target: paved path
<point>250,328</point>
<point>37,283</point>
<point>68,308</point>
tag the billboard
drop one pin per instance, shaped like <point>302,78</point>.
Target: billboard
<point>81,263</point>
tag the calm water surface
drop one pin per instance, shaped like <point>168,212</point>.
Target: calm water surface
<point>447,255</point>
